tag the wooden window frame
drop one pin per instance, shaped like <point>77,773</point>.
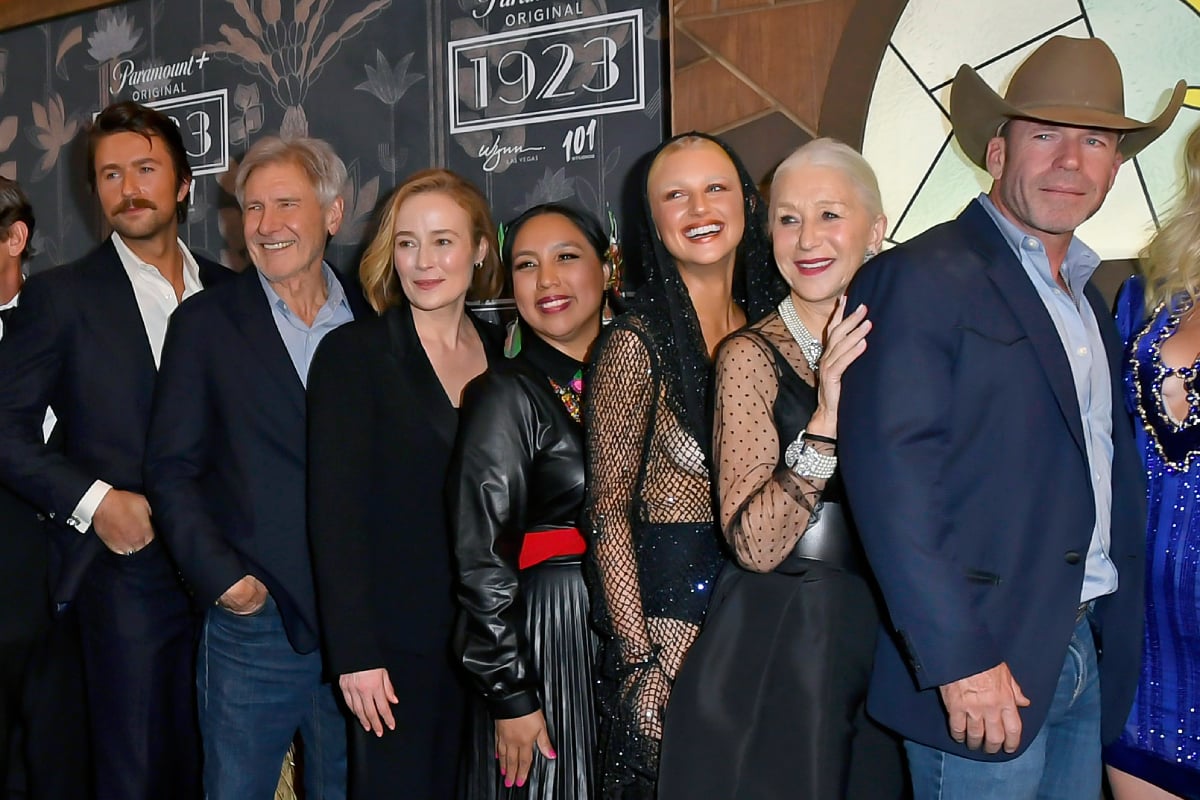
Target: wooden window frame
<point>15,13</point>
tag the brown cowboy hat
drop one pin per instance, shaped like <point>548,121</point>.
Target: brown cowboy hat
<point>1064,81</point>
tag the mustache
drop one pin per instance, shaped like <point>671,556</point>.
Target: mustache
<point>133,202</point>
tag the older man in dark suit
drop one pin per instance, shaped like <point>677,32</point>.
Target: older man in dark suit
<point>85,341</point>
<point>226,472</point>
<point>989,462</point>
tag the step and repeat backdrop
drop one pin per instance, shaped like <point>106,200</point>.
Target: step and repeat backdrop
<point>533,100</point>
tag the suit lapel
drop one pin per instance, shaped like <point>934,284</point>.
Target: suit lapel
<point>251,313</point>
<point>1006,273</point>
<point>418,376</point>
<point>112,295</point>
<point>1114,348</point>
<point>354,294</point>
<point>211,273</point>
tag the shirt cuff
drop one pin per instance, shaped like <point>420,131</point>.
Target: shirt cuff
<point>81,517</point>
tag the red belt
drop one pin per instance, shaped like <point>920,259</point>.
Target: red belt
<point>541,545</point>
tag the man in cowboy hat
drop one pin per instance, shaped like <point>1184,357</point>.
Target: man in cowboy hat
<point>990,465</point>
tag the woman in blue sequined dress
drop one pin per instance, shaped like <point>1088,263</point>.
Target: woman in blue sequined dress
<point>1158,754</point>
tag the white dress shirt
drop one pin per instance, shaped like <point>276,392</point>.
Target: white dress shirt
<point>156,300</point>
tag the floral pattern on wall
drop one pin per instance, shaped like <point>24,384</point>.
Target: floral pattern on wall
<point>369,76</point>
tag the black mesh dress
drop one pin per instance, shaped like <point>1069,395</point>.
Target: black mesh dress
<point>655,550</point>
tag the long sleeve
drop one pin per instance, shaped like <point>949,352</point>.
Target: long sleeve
<point>342,422</point>
<point>618,410</point>
<point>488,488</point>
<point>30,363</point>
<point>894,439</point>
<point>765,507</point>
<point>180,456</point>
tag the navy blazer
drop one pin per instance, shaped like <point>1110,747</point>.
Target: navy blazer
<point>226,452</point>
<point>77,343</point>
<point>964,460</point>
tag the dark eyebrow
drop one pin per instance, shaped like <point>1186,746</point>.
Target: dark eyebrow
<point>555,246</point>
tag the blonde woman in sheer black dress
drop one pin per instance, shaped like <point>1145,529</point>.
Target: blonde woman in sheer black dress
<point>770,701</point>
<point>649,506</point>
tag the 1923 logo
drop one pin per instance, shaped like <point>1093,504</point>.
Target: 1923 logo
<point>203,119</point>
<point>535,76</point>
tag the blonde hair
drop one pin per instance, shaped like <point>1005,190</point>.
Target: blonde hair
<point>1171,262</point>
<point>377,271</point>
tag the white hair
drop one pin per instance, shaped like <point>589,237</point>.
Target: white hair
<point>827,152</point>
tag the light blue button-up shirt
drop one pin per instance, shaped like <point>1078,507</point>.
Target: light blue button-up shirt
<point>1080,334</point>
<point>301,340</point>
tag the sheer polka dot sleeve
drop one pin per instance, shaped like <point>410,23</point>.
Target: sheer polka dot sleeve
<point>764,506</point>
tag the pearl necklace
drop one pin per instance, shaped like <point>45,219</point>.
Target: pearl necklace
<point>809,345</point>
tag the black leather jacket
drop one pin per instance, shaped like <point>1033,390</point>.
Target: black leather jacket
<point>517,466</point>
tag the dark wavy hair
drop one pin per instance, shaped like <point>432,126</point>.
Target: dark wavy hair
<point>131,117</point>
<point>665,305</point>
<point>15,207</point>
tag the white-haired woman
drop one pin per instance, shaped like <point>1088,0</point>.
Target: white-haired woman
<point>769,702</point>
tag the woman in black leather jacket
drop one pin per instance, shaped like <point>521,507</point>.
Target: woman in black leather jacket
<point>515,486</point>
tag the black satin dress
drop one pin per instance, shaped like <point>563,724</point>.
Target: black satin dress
<point>523,635</point>
<point>770,702</point>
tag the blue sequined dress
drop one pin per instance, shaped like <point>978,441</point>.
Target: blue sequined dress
<point>1161,740</point>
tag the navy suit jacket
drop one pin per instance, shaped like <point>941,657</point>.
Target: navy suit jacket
<point>964,460</point>
<point>226,453</point>
<point>77,343</point>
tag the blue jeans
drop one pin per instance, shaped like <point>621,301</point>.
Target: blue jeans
<point>1062,761</point>
<point>254,693</point>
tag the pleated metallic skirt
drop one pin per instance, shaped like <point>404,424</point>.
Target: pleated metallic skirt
<point>563,648</point>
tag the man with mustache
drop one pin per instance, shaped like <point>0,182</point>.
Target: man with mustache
<point>86,340</point>
<point>987,455</point>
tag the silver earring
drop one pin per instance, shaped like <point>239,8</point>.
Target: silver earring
<point>867,256</point>
<point>478,265</point>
